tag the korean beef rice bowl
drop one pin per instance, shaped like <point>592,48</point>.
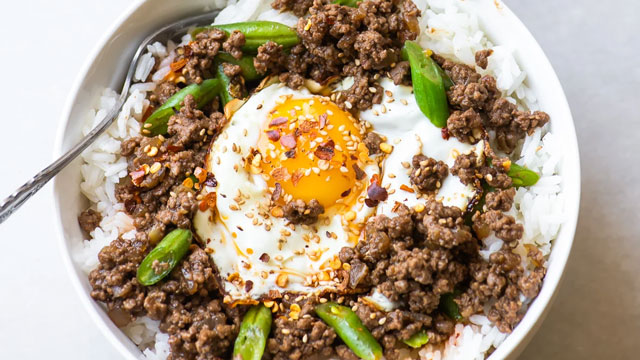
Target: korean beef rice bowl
<point>322,179</point>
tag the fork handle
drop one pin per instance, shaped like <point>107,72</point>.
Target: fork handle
<point>26,191</point>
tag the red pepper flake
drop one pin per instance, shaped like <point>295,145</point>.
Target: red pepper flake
<point>375,193</point>
<point>325,151</point>
<point>137,176</point>
<point>360,174</point>
<point>248,285</point>
<point>211,180</point>
<point>187,49</point>
<point>280,174</point>
<point>174,148</point>
<point>278,121</point>
<point>276,192</point>
<point>147,113</point>
<point>208,202</point>
<point>288,141</point>
<point>306,126</point>
<point>406,188</point>
<point>177,65</point>
<point>265,257</point>
<point>445,133</point>
<point>200,174</point>
<point>323,120</point>
<point>296,177</point>
<point>188,183</point>
<point>130,205</point>
<point>273,135</point>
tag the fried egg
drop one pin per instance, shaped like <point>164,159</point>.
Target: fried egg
<point>409,132</point>
<point>281,145</point>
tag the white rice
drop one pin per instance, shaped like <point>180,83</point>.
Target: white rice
<point>447,31</point>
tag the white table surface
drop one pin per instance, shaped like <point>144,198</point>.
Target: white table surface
<point>593,46</point>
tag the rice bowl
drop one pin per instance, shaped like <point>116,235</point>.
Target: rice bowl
<point>541,228</point>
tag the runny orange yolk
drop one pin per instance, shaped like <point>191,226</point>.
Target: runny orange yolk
<point>313,150</point>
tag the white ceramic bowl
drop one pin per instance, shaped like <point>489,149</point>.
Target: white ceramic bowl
<point>108,63</point>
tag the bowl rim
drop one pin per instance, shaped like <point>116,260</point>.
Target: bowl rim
<point>512,345</point>
<point>65,251</point>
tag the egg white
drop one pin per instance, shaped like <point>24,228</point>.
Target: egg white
<point>410,132</point>
<point>217,229</point>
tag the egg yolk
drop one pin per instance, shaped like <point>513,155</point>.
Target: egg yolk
<point>312,149</point>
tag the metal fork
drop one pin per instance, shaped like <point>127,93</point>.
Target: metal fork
<point>23,193</point>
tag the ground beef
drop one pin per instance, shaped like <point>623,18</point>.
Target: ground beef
<point>270,58</point>
<point>427,173</point>
<point>496,177</point>
<point>189,306</point>
<point>403,259</point>
<point>89,220</point>
<point>401,73</point>
<point>390,328</point>
<point>364,92</point>
<point>476,101</point>
<point>466,168</point>
<point>444,225</point>
<point>339,40</point>
<point>298,7</point>
<point>501,278</point>
<point>460,74</point>
<point>163,92</point>
<point>233,45</point>
<point>372,141</point>
<point>299,339</point>
<point>202,328</point>
<point>231,70</point>
<point>465,126</point>
<point>158,198</point>
<point>114,281</point>
<point>505,226</point>
<point>191,125</point>
<point>200,55</point>
<point>299,212</point>
<point>482,58</point>
<point>344,353</point>
<point>501,200</point>
<point>292,80</point>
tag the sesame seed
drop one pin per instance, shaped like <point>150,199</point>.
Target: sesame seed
<point>350,215</point>
<point>373,90</point>
<point>386,148</point>
<point>403,101</point>
<point>348,105</point>
<point>155,167</point>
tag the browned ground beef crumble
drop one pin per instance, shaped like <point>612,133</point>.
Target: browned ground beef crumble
<point>413,258</point>
<point>427,173</point>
